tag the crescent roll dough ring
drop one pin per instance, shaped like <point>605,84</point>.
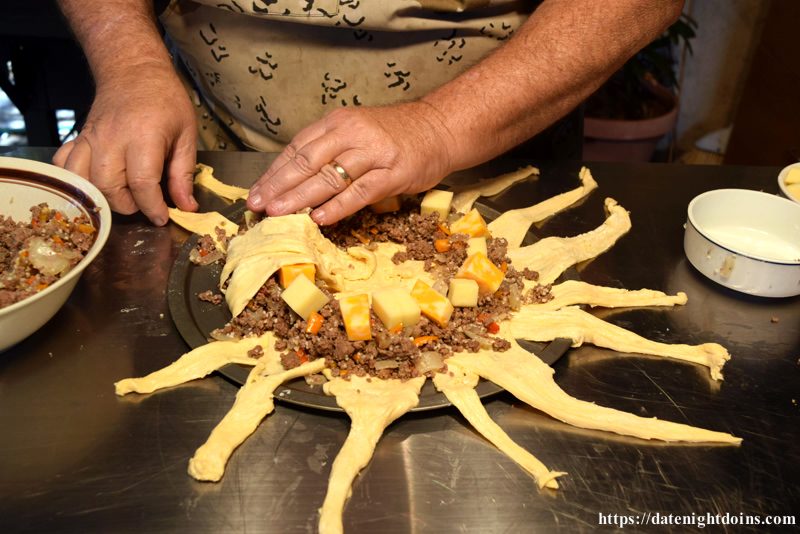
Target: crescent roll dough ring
<point>373,403</point>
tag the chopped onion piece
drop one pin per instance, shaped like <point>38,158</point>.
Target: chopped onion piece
<point>514,297</point>
<point>429,361</point>
<point>49,261</point>
<point>440,286</point>
<point>386,364</point>
<point>315,379</point>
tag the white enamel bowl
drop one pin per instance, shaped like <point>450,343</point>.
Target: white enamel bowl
<point>746,240</point>
<point>25,183</point>
<point>794,194</point>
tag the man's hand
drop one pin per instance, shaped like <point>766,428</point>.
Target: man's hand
<point>385,151</point>
<point>141,123</point>
<point>557,58</point>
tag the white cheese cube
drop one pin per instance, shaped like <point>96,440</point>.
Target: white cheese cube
<point>476,244</point>
<point>304,297</point>
<point>395,306</point>
<point>463,292</point>
<point>436,201</point>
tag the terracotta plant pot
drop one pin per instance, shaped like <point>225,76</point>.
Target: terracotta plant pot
<point>628,140</point>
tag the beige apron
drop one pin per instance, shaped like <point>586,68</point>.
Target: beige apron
<point>262,70</point>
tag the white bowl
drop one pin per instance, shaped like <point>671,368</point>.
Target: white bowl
<point>23,184</point>
<point>746,240</point>
<point>782,183</point>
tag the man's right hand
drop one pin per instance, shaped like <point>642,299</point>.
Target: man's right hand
<point>141,125</point>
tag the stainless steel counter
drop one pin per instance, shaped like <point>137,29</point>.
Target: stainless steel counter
<point>76,458</point>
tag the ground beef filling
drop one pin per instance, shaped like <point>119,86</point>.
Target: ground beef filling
<point>35,254</point>
<point>405,354</point>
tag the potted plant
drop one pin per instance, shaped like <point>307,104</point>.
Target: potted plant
<point>638,105</point>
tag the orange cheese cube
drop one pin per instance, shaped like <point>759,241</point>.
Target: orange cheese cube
<point>481,269</point>
<point>355,313</point>
<point>433,304</point>
<point>471,224</point>
<point>288,273</point>
<point>386,205</point>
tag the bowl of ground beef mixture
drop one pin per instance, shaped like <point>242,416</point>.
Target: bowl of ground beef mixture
<point>53,224</point>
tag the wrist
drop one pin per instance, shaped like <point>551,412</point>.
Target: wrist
<point>445,144</point>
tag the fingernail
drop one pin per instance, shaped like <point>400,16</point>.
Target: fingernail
<point>255,200</point>
<point>318,216</point>
<point>159,221</point>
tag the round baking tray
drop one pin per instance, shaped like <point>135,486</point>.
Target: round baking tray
<point>195,319</point>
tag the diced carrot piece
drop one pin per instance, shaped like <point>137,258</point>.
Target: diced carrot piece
<point>363,239</point>
<point>441,245</point>
<point>85,228</point>
<point>396,329</point>
<point>314,323</point>
<point>422,340</point>
<point>444,229</point>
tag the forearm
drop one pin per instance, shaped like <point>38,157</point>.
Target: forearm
<point>116,35</point>
<point>560,56</point>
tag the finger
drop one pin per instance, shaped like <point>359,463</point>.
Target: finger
<point>144,166</point>
<point>307,162</point>
<point>61,155</point>
<point>302,138</point>
<point>322,186</point>
<point>108,174</point>
<point>180,172</point>
<point>80,158</point>
<point>373,186</point>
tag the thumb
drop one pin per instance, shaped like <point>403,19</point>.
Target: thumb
<point>180,173</point>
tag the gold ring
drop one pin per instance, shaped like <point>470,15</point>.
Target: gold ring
<point>341,172</point>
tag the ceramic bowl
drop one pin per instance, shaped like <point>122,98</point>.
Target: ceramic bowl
<point>746,240</point>
<point>790,192</point>
<point>23,184</point>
